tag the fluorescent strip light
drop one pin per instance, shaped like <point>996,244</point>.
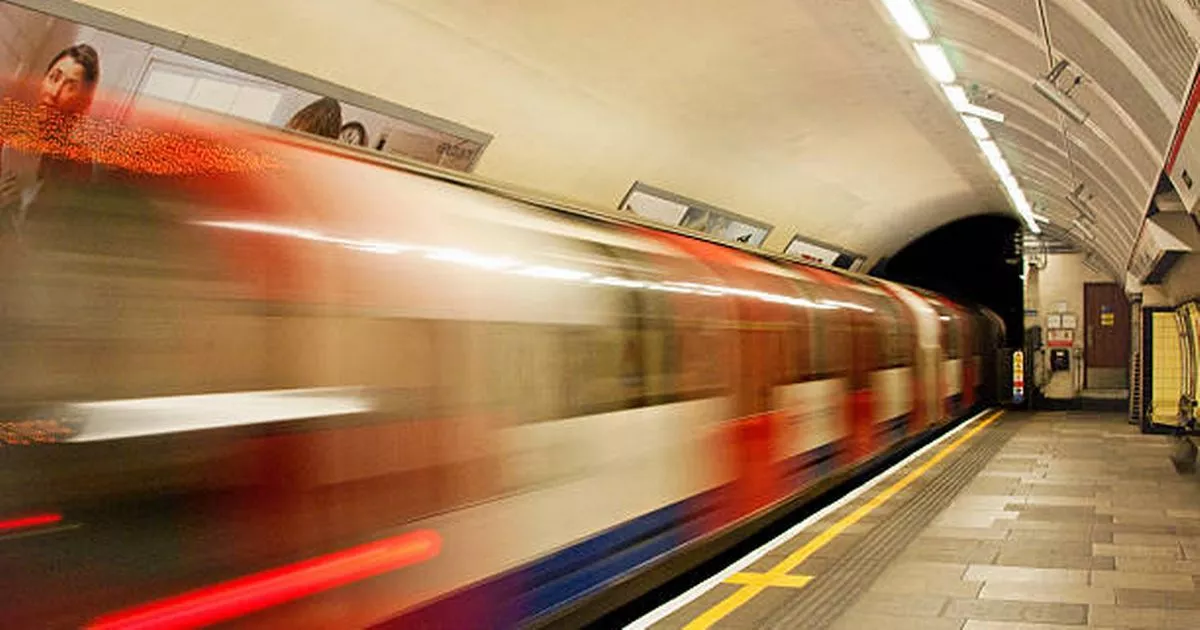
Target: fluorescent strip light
<point>958,97</point>
<point>908,18</point>
<point>1039,218</point>
<point>976,127</point>
<point>962,104</point>
<point>936,62</point>
<point>995,158</point>
<point>983,112</point>
<point>1020,202</point>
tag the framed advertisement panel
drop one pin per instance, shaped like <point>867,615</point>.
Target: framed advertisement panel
<point>136,62</point>
<point>816,251</point>
<point>676,210</point>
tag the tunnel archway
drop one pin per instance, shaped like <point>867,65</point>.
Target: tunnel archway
<point>976,259</point>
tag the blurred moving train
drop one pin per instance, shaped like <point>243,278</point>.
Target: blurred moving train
<point>235,359</point>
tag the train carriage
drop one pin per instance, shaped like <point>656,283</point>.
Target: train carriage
<point>261,348</point>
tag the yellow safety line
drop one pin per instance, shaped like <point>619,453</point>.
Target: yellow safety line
<point>764,579</point>
<point>780,570</point>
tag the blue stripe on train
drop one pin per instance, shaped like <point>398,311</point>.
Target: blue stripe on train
<point>569,587</point>
<point>956,405</point>
<point>893,430</point>
<point>572,572</point>
<point>564,576</point>
<point>822,460</point>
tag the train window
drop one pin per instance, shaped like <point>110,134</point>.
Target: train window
<point>830,336</point>
<point>898,336</point>
<point>953,336</point>
<point>683,341</point>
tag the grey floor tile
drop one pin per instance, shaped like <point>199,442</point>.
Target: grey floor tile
<point>860,621</point>
<point>1142,598</point>
<point>975,624</point>
<point>1143,551</point>
<point>924,570</point>
<point>901,604</point>
<point>1122,617</point>
<point>1158,540</point>
<point>997,573</point>
<point>1052,548</point>
<point>1048,592</point>
<point>1154,581</point>
<point>1032,612</point>
<point>917,585</point>
<point>1158,565</point>
<point>1050,526</point>
<point>969,533</point>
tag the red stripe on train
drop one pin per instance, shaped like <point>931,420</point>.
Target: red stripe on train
<point>225,601</point>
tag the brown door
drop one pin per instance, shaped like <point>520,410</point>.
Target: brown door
<point>1106,336</point>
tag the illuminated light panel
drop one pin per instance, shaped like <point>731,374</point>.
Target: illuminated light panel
<point>982,112</point>
<point>958,96</point>
<point>259,591</point>
<point>995,158</point>
<point>976,127</point>
<point>908,17</point>
<point>936,62</point>
<point>1039,218</point>
<point>26,522</point>
<point>112,143</point>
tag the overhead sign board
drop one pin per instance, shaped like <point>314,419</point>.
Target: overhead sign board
<point>815,251</point>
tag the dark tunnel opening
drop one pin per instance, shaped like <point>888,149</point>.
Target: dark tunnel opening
<point>975,260</point>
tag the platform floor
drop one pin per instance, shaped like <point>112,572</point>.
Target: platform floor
<point>1017,521</point>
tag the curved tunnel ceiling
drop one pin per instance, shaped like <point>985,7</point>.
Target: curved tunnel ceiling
<point>812,115</point>
<point>1136,59</point>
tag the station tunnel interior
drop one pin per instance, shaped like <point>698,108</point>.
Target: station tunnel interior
<point>975,260</point>
<point>467,314</point>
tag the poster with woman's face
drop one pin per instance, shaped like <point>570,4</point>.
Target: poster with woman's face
<point>60,65</point>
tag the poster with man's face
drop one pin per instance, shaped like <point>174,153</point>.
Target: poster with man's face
<point>60,65</point>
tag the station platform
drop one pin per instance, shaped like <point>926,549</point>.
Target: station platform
<point>1033,521</point>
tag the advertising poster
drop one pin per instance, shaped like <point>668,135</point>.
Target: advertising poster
<point>60,65</point>
<point>813,252</point>
<point>672,209</point>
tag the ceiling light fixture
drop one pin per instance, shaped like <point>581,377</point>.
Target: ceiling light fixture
<point>958,97</point>
<point>936,62</point>
<point>995,158</point>
<point>908,17</point>
<point>976,127</point>
<point>1039,218</point>
<point>1048,87</point>
<point>963,105</point>
<point>983,112</point>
